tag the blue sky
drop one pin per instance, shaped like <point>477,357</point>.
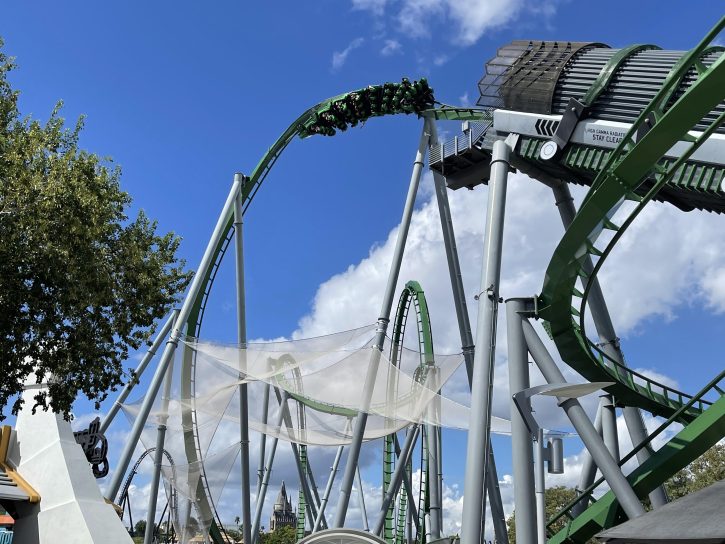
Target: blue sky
<point>181,95</point>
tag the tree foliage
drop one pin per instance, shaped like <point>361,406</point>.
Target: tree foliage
<point>701,473</point>
<point>556,498</point>
<point>281,535</point>
<point>80,283</point>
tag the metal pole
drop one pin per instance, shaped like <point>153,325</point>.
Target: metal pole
<point>267,472</point>
<point>609,341</point>
<point>593,442</point>
<point>158,457</point>
<point>609,426</point>
<point>160,337</point>
<point>483,366</point>
<point>361,495</point>
<point>396,478</point>
<point>434,498</point>
<point>540,489</point>
<point>242,339</point>
<point>492,488</point>
<point>407,484</point>
<point>523,468</point>
<point>589,469</point>
<point>172,343</point>
<point>315,494</point>
<point>328,488</point>
<point>263,438</point>
<point>359,429</point>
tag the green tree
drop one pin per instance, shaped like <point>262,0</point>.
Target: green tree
<point>80,283</point>
<point>556,498</point>
<point>704,471</point>
<point>281,535</point>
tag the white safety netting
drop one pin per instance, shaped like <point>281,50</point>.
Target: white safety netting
<point>324,382</point>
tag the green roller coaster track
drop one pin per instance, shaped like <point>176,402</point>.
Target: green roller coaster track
<point>394,532</point>
<point>634,172</point>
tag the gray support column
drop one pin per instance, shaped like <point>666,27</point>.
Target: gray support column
<point>155,385</point>
<point>262,438</point>
<point>589,469</point>
<point>158,458</point>
<point>396,478</point>
<point>383,320</point>
<point>434,492</point>
<point>609,426</point>
<point>609,341</point>
<point>407,484</point>
<point>610,470</point>
<point>361,496</point>
<point>242,339</point>
<point>267,472</point>
<point>328,488</point>
<point>315,494</point>
<point>483,366</point>
<point>160,337</point>
<point>523,466</point>
<point>540,486</point>
<point>464,327</point>
<point>301,474</point>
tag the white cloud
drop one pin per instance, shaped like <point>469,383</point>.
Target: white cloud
<point>464,99</point>
<point>340,57</point>
<point>471,18</point>
<point>391,47</point>
<point>376,7</point>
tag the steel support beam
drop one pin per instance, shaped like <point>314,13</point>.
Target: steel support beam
<point>242,339</point>
<point>158,457</point>
<point>464,327</point>
<point>328,488</point>
<point>523,467</point>
<point>483,364</point>
<point>589,469</point>
<point>383,320</point>
<point>396,479</point>
<point>593,442</point>
<point>361,497</point>
<point>267,472</point>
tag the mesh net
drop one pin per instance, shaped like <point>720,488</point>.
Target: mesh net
<point>317,388</point>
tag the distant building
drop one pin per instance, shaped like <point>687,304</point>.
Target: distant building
<point>282,515</point>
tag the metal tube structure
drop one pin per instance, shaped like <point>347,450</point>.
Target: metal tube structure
<point>540,486</point>
<point>160,337</point>
<point>610,469</point>
<point>328,488</point>
<point>396,479</point>
<point>522,458</point>
<point>609,426</point>
<point>361,497</point>
<point>434,498</point>
<point>408,486</point>
<point>263,437</point>
<point>172,343</point>
<point>483,365</point>
<point>609,341</point>
<point>315,494</point>
<point>301,474</point>
<point>242,339</point>
<point>383,320</point>
<point>158,458</point>
<point>464,327</point>
<point>267,472</point>
<point>589,469</point>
